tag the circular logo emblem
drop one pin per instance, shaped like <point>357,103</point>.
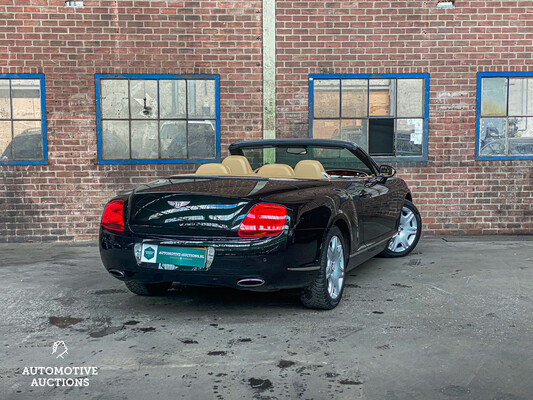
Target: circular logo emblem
<point>149,253</point>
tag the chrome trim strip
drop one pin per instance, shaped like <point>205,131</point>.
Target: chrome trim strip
<point>304,269</point>
<point>369,246</point>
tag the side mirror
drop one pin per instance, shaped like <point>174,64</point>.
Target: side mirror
<point>386,171</point>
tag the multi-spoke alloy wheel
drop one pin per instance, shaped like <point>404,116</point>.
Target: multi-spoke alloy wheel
<point>335,267</point>
<point>409,229</point>
<point>326,291</point>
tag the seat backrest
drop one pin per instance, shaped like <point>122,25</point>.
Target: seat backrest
<point>238,165</point>
<point>276,171</point>
<point>212,169</point>
<point>310,169</point>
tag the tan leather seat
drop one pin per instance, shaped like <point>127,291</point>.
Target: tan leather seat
<point>276,171</point>
<point>238,165</point>
<point>212,169</point>
<point>310,169</point>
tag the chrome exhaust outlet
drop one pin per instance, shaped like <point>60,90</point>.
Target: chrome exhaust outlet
<point>117,274</point>
<point>250,282</point>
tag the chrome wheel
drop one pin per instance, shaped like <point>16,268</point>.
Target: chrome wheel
<point>335,267</point>
<point>407,230</point>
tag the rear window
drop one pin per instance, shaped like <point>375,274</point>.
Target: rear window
<point>331,158</point>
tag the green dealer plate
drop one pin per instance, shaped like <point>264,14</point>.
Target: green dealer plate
<point>171,257</point>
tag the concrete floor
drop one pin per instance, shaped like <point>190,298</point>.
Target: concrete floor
<point>452,320</point>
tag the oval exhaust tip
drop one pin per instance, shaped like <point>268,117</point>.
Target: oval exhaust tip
<point>117,273</point>
<point>250,282</point>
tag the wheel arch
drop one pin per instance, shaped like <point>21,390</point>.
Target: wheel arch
<point>344,227</point>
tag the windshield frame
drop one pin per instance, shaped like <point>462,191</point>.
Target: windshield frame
<point>236,148</point>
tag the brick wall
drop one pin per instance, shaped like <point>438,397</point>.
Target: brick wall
<point>456,194</point>
<point>64,200</point>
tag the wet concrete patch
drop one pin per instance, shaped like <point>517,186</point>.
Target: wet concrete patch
<point>63,322</point>
<point>260,384</point>
<point>109,291</point>
<point>350,382</point>
<point>217,353</point>
<point>285,364</point>
<point>106,331</point>
<point>401,285</point>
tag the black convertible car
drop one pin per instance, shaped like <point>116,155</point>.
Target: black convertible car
<point>276,214</point>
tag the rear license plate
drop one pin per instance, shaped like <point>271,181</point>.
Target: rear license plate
<point>181,258</point>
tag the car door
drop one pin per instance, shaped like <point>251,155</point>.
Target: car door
<point>376,211</point>
<point>376,206</point>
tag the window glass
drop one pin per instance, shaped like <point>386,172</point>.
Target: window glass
<point>5,140</point>
<point>354,97</point>
<point>409,136</point>
<point>5,99</point>
<point>386,117</point>
<point>382,97</point>
<point>494,96</point>
<point>201,139</point>
<point>144,140</point>
<point>21,120</point>
<point>116,140</point>
<point>493,133</point>
<point>158,119</point>
<point>114,98</point>
<point>355,130</point>
<point>331,158</point>
<point>520,137</point>
<point>326,129</point>
<point>143,99</point>
<point>326,98</point>
<point>27,140</point>
<point>26,97</point>
<point>410,101</point>
<point>173,98</point>
<point>521,96</point>
<point>506,120</point>
<point>173,139</point>
<point>201,99</point>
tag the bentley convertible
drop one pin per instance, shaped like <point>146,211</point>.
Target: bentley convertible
<point>275,214</point>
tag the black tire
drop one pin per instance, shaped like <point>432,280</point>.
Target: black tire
<point>402,253</point>
<point>148,289</point>
<point>317,295</point>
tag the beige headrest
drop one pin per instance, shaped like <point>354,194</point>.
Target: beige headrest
<point>276,171</point>
<point>238,165</point>
<point>310,169</point>
<point>212,169</point>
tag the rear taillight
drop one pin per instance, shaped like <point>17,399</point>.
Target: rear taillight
<point>113,216</point>
<point>263,220</point>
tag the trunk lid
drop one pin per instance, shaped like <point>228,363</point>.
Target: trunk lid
<point>190,206</point>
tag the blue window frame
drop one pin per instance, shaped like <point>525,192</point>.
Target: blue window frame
<point>385,114</point>
<point>504,116</point>
<point>22,120</point>
<point>157,119</point>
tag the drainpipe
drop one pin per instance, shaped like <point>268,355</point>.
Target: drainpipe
<point>269,75</point>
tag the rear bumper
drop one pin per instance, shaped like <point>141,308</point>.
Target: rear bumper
<point>271,260</point>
